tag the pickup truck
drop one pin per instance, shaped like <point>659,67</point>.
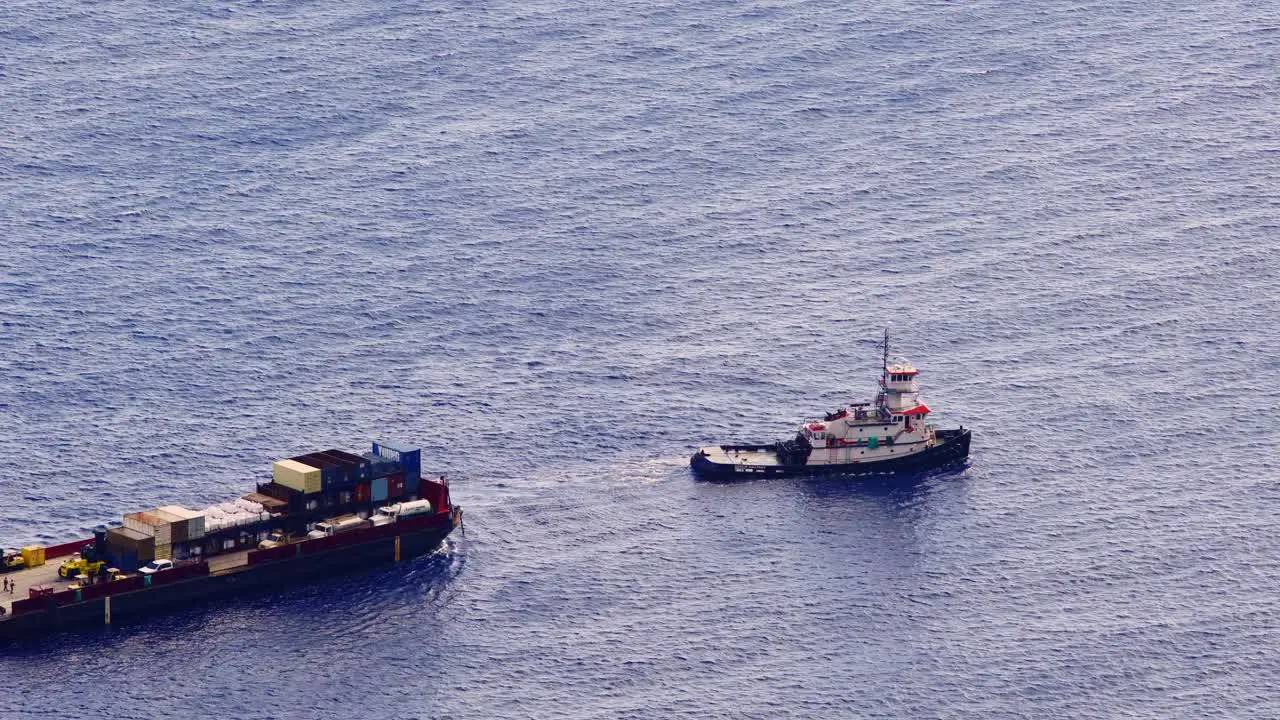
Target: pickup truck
<point>275,539</point>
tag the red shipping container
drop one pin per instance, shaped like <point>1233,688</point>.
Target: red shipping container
<point>395,485</point>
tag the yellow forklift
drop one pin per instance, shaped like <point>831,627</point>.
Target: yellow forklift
<point>78,566</point>
<point>12,560</point>
<point>87,564</point>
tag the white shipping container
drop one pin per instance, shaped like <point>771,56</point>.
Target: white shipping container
<point>170,513</point>
<point>149,523</point>
<point>193,518</point>
<point>165,532</point>
<point>134,522</point>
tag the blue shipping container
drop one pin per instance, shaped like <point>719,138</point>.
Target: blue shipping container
<point>409,457</point>
<point>378,490</point>
<point>382,467</point>
<point>126,561</point>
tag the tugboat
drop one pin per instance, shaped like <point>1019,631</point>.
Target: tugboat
<point>889,435</point>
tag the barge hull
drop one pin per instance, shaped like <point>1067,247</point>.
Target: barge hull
<point>953,449</point>
<point>241,581</point>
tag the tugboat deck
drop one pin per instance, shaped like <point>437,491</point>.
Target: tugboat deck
<point>741,455</point>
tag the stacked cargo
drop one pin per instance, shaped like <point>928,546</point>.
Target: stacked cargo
<point>408,458</point>
<point>149,523</point>
<point>334,480</point>
<point>234,513</point>
<point>188,525</point>
<point>338,470</point>
<point>409,462</point>
<point>381,466</point>
<point>167,525</point>
<point>129,549</point>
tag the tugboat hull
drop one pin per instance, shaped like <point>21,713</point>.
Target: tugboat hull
<point>719,463</point>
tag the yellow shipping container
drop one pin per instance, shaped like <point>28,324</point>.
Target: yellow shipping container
<point>33,555</point>
<point>294,474</point>
<point>164,552</point>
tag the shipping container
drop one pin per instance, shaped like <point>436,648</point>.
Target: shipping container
<point>125,560</point>
<point>381,466</point>
<point>159,526</point>
<point>409,457</point>
<point>123,536</point>
<point>358,468</point>
<point>163,552</point>
<point>135,523</point>
<point>296,475</point>
<point>348,469</point>
<point>395,486</point>
<point>192,520</point>
<point>177,524</point>
<point>277,491</point>
<point>331,471</point>
<point>152,523</point>
<point>33,555</point>
<point>123,542</point>
<point>378,489</point>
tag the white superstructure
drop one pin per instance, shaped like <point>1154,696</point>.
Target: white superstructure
<point>892,426</point>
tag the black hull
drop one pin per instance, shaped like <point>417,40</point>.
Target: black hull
<point>161,599</point>
<point>952,449</point>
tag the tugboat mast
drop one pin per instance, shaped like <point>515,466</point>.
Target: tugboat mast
<point>881,399</point>
<point>884,366</point>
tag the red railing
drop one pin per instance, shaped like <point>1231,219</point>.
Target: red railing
<point>71,548</point>
<point>100,590</point>
<point>351,537</point>
<point>182,572</point>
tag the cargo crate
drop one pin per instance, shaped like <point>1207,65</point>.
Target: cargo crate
<point>33,555</point>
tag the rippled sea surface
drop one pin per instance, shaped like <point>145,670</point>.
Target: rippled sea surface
<point>561,244</point>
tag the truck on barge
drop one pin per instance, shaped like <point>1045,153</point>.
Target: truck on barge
<point>889,435</point>
<point>322,513</point>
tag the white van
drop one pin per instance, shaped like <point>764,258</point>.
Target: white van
<point>333,526</point>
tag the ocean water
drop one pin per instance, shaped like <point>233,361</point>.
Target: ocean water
<point>560,245</point>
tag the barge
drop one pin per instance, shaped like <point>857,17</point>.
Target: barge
<point>888,435</point>
<point>321,514</point>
